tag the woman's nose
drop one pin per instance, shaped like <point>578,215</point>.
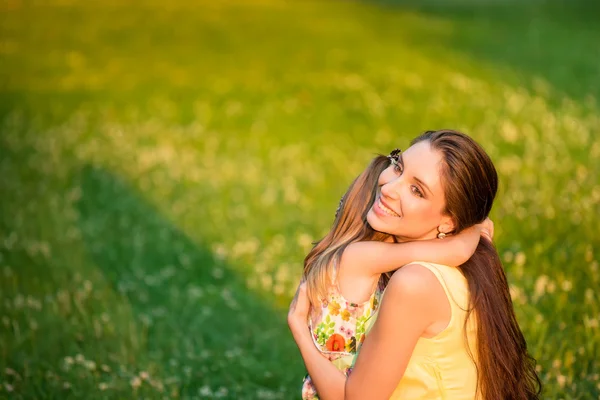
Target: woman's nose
<point>391,189</point>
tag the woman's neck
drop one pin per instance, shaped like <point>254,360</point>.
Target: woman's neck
<point>402,239</point>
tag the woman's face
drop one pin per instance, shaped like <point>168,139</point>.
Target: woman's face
<point>410,200</point>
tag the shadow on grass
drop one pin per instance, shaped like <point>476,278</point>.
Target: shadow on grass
<point>555,40</point>
<point>194,314</point>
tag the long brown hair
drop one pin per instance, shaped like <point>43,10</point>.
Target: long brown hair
<point>505,370</point>
<point>350,225</point>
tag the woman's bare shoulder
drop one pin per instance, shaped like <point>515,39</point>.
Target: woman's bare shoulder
<point>416,282</point>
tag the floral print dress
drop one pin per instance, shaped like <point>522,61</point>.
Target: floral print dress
<point>339,330</point>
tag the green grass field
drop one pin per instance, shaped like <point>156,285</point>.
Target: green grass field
<point>165,168</point>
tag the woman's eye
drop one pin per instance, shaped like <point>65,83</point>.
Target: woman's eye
<point>398,168</point>
<point>416,191</point>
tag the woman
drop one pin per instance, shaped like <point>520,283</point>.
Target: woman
<point>441,332</point>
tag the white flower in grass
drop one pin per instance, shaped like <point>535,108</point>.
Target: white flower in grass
<point>66,385</point>
<point>516,293</point>
<point>520,258</point>
<point>8,387</point>
<point>589,295</point>
<point>90,365</point>
<point>144,375</point>
<point>19,301</point>
<point>168,272</point>
<point>195,292</point>
<point>218,273</point>
<point>539,318</point>
<point>33,325</point>
<point>562,325</point>
<point>304,240</point>
<point>540,285</point>
<point>567,286</point>
<point>34,303</point>
<point>590,322</point>
<point>266,394</point>
<point>220,251</point>
<point>157,385</point>
<point>508,256</point>
<point>103,386</point>
<point>266,281</point>
<point>279,289</point>
<point>135,382</point>
<point>205,391</point>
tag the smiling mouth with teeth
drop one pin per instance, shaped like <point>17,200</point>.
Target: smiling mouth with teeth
<point>385,209</point>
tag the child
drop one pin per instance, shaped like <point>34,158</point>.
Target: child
<point>337,323</point>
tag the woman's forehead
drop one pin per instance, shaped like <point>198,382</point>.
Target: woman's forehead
<point>422,152</point>
<point>423,163</point>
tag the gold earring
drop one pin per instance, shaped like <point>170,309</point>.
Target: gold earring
<point>441,235</point>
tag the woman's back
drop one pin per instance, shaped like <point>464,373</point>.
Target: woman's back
<point>440,367</point>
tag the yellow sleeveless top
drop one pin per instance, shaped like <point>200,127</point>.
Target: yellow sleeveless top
<point>440,367</point>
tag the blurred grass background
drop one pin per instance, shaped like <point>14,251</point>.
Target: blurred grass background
<point>165,167</point>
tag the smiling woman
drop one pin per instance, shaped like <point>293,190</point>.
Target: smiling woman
<point>441,332</point>
<point>416,181</point>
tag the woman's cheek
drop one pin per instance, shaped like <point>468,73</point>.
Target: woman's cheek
<point>412,208</point>
<point>386,176</point>
<point>421,211</point>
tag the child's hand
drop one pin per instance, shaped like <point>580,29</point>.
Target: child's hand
<point>465,243</point>
<point>487,229</point>
<point>298,313</point>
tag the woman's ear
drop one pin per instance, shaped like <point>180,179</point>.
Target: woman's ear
<point>447,225</point>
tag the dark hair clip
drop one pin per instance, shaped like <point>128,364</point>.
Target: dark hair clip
<point>394,156</point>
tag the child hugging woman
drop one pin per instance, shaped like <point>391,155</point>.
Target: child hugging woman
<point>346,271</point>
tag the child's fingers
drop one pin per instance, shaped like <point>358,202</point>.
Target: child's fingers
<point>303,304</point>
<point>485,233</point>
<point>300,303</point>
<point>488,226</point>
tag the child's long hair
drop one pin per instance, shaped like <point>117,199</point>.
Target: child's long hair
<point>350,225</point>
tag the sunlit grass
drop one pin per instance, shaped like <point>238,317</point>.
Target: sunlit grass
<point>165,168</point>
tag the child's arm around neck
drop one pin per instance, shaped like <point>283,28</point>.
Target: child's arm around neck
<point>374,258</point>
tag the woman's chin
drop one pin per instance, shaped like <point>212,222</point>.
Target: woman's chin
<point>375,222</point>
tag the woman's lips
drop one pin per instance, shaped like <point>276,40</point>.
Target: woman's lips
<point>382,209</point>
